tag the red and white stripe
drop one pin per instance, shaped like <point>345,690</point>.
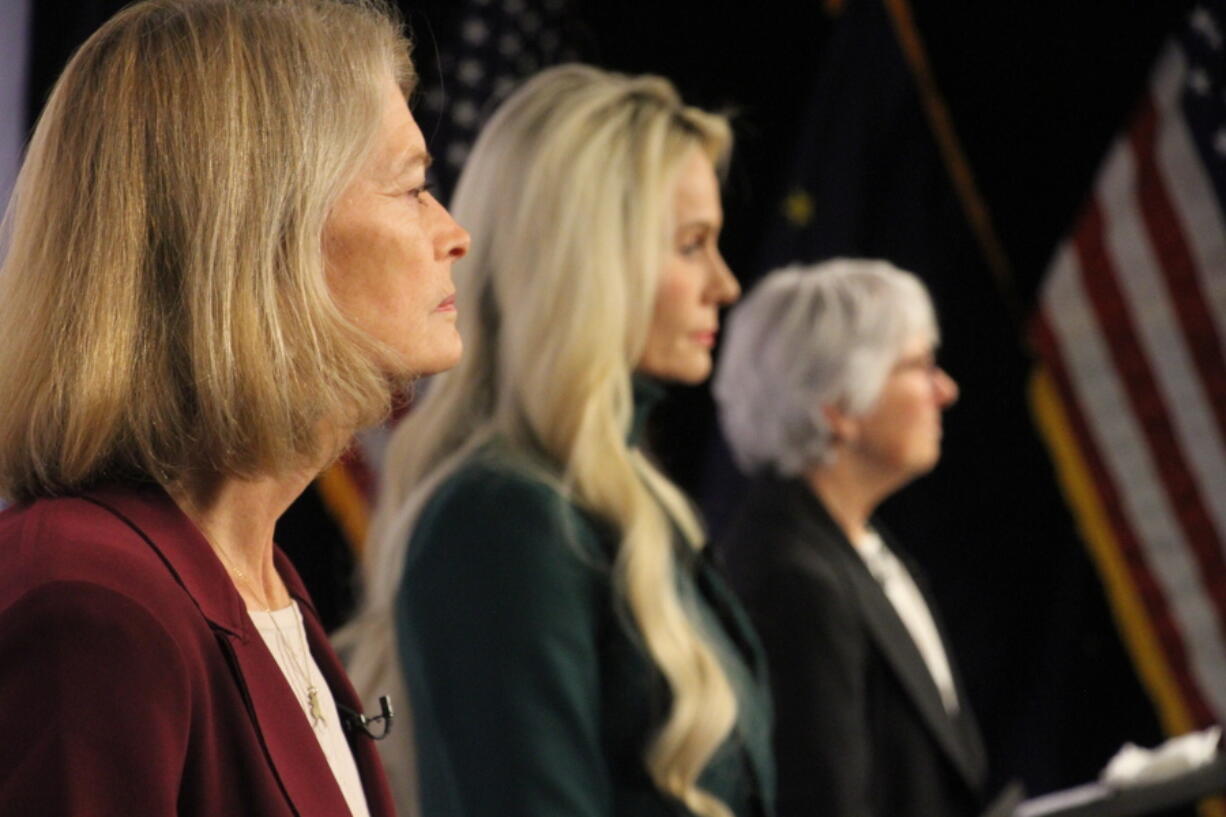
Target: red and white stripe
<point>1132,315</point>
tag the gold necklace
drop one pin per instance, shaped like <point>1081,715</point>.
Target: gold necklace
<point>314,708</point>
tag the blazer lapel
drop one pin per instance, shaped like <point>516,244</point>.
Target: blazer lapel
<point>894,641</point>
<point>965,723</point>
<point>291,746</point>
<point>277,714</point>
<point>900,651</point>
<point>365,753</point>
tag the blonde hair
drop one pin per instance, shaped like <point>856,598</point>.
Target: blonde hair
<point>568,194</point>
<point>163,306</point>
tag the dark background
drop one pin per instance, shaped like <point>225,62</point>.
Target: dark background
<point>824,103</point>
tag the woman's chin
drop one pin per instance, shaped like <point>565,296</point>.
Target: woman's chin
<point>690,371</point>
<point>445,355</point>
<point>424,360</point>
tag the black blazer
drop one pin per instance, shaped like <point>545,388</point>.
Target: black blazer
<point>860,729</point>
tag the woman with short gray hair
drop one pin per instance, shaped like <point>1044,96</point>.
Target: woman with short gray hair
<point>830,396</point>
<point>809,336</point>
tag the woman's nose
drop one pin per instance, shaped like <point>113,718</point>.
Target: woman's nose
<point>724,287</point>
<point>453,240</point>
<point>946,388</point>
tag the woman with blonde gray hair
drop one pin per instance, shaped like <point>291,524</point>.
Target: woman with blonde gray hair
<point>829,394</point>
<point>220,262</point>
<point>567,648</point>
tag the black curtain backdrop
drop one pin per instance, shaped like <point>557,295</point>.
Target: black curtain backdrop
<point>823,104</point>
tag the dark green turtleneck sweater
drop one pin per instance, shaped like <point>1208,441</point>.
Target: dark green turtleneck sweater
<point>532,694</point>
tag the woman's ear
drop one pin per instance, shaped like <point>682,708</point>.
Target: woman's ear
<point>843,426</point>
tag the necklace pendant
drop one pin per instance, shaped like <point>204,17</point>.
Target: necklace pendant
<point>317,712</point>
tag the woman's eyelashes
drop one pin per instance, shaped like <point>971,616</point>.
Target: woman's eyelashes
<point>417,193</point>
<point>694,243</point>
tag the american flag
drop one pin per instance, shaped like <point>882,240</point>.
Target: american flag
<point>496,45</point>
<point>1131,389</point>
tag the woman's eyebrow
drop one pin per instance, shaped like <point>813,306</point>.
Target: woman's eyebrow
<point>411,160</point>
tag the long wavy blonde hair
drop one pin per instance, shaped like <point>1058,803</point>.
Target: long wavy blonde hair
<point>163,305</point>
<point>568,195</point>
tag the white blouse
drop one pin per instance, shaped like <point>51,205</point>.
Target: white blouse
<point>285,635</point>
<point>900,588</point>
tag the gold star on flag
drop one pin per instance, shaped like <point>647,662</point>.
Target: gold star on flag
<point>798,208</point>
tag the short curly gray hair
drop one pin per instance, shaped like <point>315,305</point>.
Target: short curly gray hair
<point>807,337</point>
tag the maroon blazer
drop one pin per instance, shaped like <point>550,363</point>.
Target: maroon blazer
<point>133,682</point>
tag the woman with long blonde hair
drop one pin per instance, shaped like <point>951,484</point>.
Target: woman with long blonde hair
<point>538,582</point>
<point>220,261</point>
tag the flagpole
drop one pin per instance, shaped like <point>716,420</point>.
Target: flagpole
<point>950,146</point>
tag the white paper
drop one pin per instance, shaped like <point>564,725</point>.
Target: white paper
<point>1134,766</point>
